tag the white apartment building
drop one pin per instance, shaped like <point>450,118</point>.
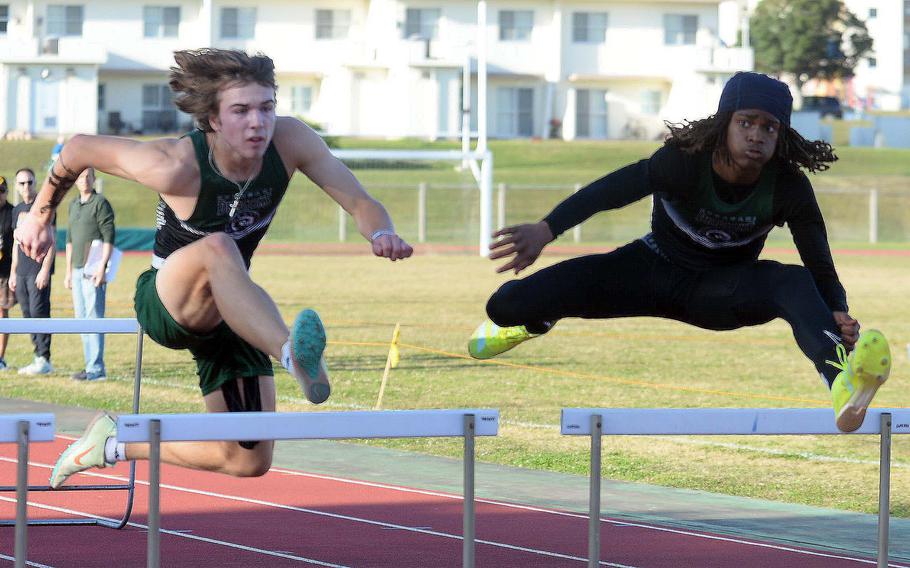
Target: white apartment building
<point>386,68</point>
<point>882,78</point>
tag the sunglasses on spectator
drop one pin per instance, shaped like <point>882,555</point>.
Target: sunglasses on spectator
<point>29,182</point>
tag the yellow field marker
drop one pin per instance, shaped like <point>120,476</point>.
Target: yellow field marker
<point>390,363</point>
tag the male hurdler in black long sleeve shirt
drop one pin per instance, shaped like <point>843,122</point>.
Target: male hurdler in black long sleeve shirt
<point>719,186</point>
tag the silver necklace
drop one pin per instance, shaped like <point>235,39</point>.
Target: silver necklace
<point>240,188</point>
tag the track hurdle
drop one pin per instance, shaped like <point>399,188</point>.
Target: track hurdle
<point>23,429</point>
<point>596,422</point>
<point>71,326</point>
<point>236,426</point>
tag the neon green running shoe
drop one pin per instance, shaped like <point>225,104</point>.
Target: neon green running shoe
<point>87,451</point>
<point>862,372</point>
<point>489,340</point>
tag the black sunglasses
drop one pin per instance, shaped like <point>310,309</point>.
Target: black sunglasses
<point>29,182</point>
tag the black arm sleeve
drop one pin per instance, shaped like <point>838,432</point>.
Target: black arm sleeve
<point>620,188</point>
<point>811,238</point>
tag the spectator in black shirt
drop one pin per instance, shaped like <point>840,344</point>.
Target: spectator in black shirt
<point>719,186</point>
<point>7,296</point>
<point>31,281</point>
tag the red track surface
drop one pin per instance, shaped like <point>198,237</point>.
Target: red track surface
<point>291,519</point>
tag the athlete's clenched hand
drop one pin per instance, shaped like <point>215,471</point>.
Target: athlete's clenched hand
<point>849,329</point>
<point>525,242</point>
<point>34,238</point>
<point>392,247</point>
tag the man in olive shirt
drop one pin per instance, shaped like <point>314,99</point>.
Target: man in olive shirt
<point>91,218</point>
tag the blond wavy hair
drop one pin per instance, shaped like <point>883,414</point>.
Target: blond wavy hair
<point>200,74</point>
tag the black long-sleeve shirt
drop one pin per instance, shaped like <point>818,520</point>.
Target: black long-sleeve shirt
<point>699,221</point>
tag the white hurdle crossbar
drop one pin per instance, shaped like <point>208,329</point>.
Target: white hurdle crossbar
<point>23,429</point>
<point>596,422</point>
<point>71,326</point>
<point>158,428</point>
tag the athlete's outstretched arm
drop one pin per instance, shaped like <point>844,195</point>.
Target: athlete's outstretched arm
<point>149,163</point>
<point>524,243</point>
<point>312,157</point>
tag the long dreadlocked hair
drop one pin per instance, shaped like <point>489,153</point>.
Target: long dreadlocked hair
<point>711,134</point>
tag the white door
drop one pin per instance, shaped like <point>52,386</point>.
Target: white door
<point>46,115</point>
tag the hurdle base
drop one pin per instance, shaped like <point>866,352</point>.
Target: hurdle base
<point>65,522</point>
<point>70,488</point>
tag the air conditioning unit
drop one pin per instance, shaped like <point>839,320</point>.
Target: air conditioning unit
<point>51,46</point>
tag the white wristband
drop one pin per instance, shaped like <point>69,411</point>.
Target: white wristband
<point>380,233</point>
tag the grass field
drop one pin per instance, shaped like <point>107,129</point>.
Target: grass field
<point>625,363</point>
<point>632,362</point>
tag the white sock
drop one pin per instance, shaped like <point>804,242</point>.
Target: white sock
<point>286,356</point>
<point>114,451</point>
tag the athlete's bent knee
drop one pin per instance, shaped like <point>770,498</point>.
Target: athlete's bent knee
<point>220,245</point>
<point>504,306</point>
<point>241,462</point>
<point>792,278</point>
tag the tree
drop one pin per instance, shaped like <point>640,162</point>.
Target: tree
<point>810,39</point>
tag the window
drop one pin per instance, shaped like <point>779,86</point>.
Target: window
<point>515,25</point>
<point>873,62</point>
<point>301,99</point>
<point>160,21</point>
<point>422,23</point>
<point>64,20</point>
<point>650,102</point>
<point>679,29</point>
<point>515,111</point>
<point>589,27</point>
<point>101,93</point>
<point>873,13</point>
<point>4,17</point>
<point>158,111</point>
<point>238,23</point>
<point>332,24</point>
<point>591,113</point>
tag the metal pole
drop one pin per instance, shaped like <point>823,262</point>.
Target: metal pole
<point>468,531</point>
<point>486,202</point>
<point>21,538</point>
<point>154,522</point>
<point>482,76</point>
<point>594,497</point>
<point>342,225</point>
<point>501,206</point>
<point>884,490</point>
<point>873,215</point>
<point>466,108</point>
<point>422,212</point>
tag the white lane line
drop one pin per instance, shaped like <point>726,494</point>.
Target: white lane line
<point>338,516</point>
<point>27,562</point>
<point>579,516</point>
<point>480,541</point>
<point>180,534</point>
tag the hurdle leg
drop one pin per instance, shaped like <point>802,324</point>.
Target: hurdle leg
<point>131,485</point>
<point>468,530</point>
<point>594,493</point>
<point>154,521</point>
<point>21,546</point>
<point>884,490</point>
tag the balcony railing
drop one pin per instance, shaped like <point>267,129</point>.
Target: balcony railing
<point>724,59</point>
<point>64,50</point>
